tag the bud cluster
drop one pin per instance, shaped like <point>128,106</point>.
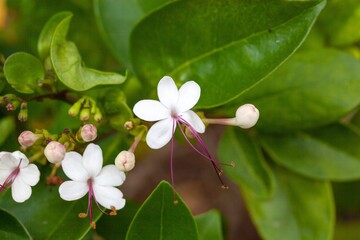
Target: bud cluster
<point>85,107</point>
<point>12,102</point>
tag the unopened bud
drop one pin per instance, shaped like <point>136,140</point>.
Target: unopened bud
<point>125,161</point>
<point>54,152</point>
<point>97,115</point>
<point>129,125</point>
<point>85,114</point>
<point>88,132</point>
<point>247,116</point>
<point>75,109</point>
<point>28,138</point>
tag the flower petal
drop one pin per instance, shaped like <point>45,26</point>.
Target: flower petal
<point>30,174</point>
<point>109,196</point>
<point>4,173</point>
<point>92,159</point>
<point>160,133</point>
<point>110,176</point>
<point>151,110</point>
<point>20,156</point>
<point>73,167</point>
<point>167,92</point>
<point>8,162</point>
<point>20,191</point>
<point>189,95</point>
<point>71,190</point>
<point>194,120</point>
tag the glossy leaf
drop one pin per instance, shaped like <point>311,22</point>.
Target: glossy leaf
<point>67,62</point>
<point>307,91</point>
<point>11,228</point>
<point>160,218</point>
<point>23,71</point>
<point>227,47</point>
<point>250,171</point>
<point>326,153</point>
<point>300,209</point>
<point>116,28</point>
<point>7,126</point>
<point>209,225</point>
<point>47,216</point>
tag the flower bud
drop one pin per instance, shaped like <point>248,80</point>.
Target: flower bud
<point>28,138</point>
<point>75,109</point>
<point>85,114</point>
<point>88,132</point>
<point>125,161</point>
<point>55,152</point>
<point>246,116</point>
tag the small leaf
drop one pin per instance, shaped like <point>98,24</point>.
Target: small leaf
<point>250,171</point>
<point>7,126</point>
<point>330,153</point>
<point>67,63</point>
<point>23,71</point>
<point>304,92</point>
<point>226,47</point>
<point>209,225</point>
<point>300,209</point>
<point>11,228</point>
<point>160,218</point>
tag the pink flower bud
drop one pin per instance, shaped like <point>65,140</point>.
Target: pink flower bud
<point>55,152</point>
<point>247,116</point>
<point>88,132</point>
<point>28,138</point>
<point>125,161</point>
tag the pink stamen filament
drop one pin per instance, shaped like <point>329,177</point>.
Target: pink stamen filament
<point>11,177</point>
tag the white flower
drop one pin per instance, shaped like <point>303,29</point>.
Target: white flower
<point>173,108</point>
<point>15,169</point>
<point>88,176</point>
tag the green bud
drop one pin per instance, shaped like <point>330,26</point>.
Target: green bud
<point>23,115</point>
<point>85,114</point>
<point>75,108</point>
<point>97,115</point>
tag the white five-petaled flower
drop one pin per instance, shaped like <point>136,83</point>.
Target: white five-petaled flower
<point>15,169</point>
<point>174,106</point>
<point>88,176</point>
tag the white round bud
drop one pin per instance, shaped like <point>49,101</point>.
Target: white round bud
<point>88,132</point>
<point>125,161</point>
<point>54,152</point>
<point>247,116</point>
<point>28,138</point>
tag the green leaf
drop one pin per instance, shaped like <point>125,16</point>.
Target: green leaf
<point>300,209</point>
<point>7,126</point>
<point>116,28</point>
<point>47,216</point>
<point>209,225</point>
<point>250,171</point>
<point>304,92</point>
<point>160,218</point>
<point>67,63</point>
<point>326,153</point>
<point>11,228</point>
<point>23,71</point>
<point>226,47</point>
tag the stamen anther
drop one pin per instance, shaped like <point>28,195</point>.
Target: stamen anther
<point>176,202</point>
<point>93,225</point>
<point>225,187</point>
<point>112,211</point>
<point>82,215</point>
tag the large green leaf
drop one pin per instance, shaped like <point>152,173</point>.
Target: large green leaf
<point>116,19</point>
<point>23,72</point>
<point>326,153</point>
<point>301,209</point>
<point>47,216</point>
<point>67,63</point>
<point>312,89</point>
<point>209,226</point>
<point>250,171</point>
<point>11,228</point>
<point>160,218</point>
<point>226,46</point>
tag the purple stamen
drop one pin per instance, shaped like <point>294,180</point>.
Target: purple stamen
<point>11,177</point>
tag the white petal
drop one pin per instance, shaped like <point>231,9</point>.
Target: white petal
<point>20,191</point>
<point>109,196</point>
<point>71,190</point>
<point>30,174</point>
<point>20,156</point>
<point>92,159</point>
<point>189,95</point>
<point>73,167</point>
<point>4,173</point>
<point>8,161</point>
<point>194,120</point>
<point>151,110</point>
<point>110,176</point>
<point>167,92</point>
<point>160,133</point>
